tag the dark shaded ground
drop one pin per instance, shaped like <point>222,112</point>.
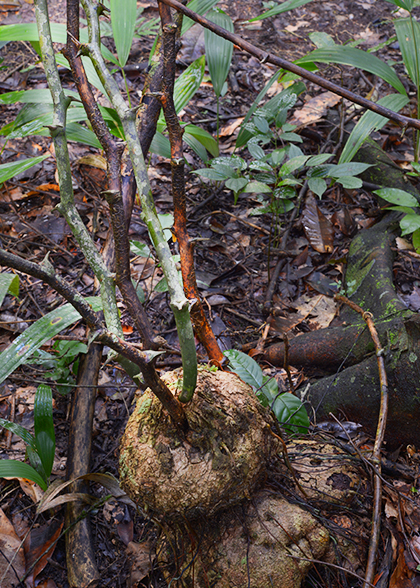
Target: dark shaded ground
<point>232,255</point>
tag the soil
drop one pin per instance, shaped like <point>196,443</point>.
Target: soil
<point>234,252</point>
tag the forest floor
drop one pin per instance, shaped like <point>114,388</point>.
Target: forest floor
<point>233,254</point>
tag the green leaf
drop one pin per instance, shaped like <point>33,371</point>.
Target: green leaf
<point>16,429</point>
<point>210,174</point>
<point>199,7</point>
<point>236,184</point>
<point>196,146</point>
<point>203,137</point>
<point>319,159</point>
<point>140,249</point>
<point>37,334</point>
<point>245,367</point>
<point>44,427</point>
<point>416,240</point>
<point>9,283</point>
<point>356,58</point>
<point>317,185</point>
<point>9,170</point>
<point>255,150</point>
<point>224,169</point>
<point>161,145</point>
<point>395,196</point>
<point>218,50</point>
<point>322,40</point>
<point>282,7</point>
<point>32,96</point>
<point>292,165</point>
<point>408,35</point>
<point>370,121</point>
<point>409,224</point>
<point>75,132</point>
<point>29,32</point>
<point>10,468</point>
<point>123,19</point>
<point>291,413</point>
<point>406,4</point>
<point>258,188</point>
<point>346,169</point>
<point>350,182</point>
<point>234,161</point>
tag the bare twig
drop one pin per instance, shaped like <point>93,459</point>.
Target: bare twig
<point>380,433</point>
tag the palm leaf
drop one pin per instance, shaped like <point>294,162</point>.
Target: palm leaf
<point>218,50</point>
<point>356,58</point>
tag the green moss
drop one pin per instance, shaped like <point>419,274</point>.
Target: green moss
<point>144,406</point>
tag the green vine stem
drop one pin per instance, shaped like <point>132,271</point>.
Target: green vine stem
<point>179,303</point>
<point>67,205</point>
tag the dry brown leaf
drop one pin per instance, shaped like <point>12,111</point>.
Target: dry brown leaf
<point>318,229</point>
<point>142,561</point>
<point>39,547</point>
<point>12,559</point>
<point>229,129</point>
<point>314,109</point>
<point>94,160</point>
<point>292,28</point>
<point>31,489</point>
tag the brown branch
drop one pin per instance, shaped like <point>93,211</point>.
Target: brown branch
<point>198,317</point>
<point>264,57</point>
<point>112,152</point>
<point>380,433</point>
<point>151,378</point>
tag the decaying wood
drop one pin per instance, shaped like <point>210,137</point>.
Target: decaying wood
<point>354,393</point>
<point>81,567</point>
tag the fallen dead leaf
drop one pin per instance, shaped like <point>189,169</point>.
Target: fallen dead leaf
<point>229,129</point>
<point>142,561</point>
<point>314,109</point>
<point>292,28</point>
<point>318,229</point>
<point>94,160</point>
<point>12,559</point>
<point>31,489</point>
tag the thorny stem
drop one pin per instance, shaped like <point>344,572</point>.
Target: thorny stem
<point>179,303</point>
<point>380,433</point>
<point>264,57</point>
<point>67,205</point>
<point>201,325</point>
<point>113,159</point>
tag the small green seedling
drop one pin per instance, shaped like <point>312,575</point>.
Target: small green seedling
<point>288,409</point>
